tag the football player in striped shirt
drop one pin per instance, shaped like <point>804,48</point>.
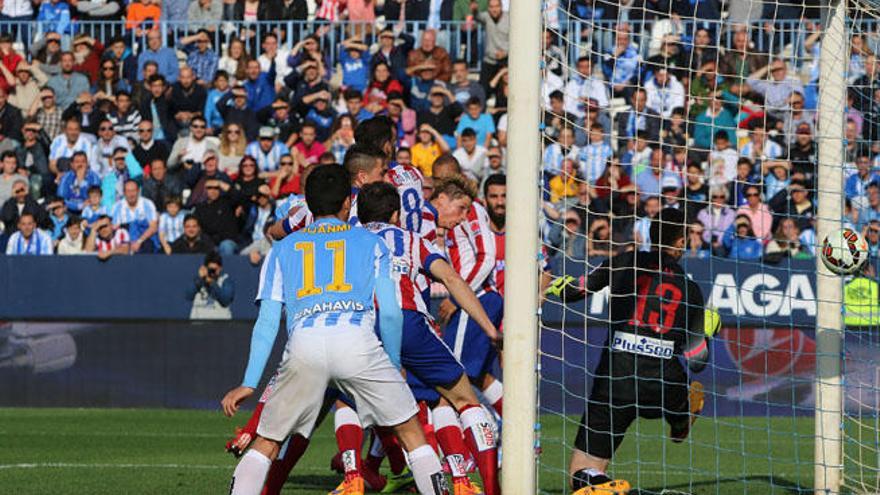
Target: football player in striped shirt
<point>426,359</point>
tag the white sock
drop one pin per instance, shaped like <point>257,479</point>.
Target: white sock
<point>427,471</point>
<point>494,392</point>
<point>250,474</point>
<point>480,424</point>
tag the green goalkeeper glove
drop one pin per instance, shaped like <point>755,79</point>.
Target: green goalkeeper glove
<point>711,322</point>
<point>565,288</point>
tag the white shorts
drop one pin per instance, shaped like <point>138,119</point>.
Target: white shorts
<point>350,357</point>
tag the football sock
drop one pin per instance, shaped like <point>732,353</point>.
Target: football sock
<point>396,459</point>
<point>424,417</point>
<point>427,471</point>
<point>494,394</point>
<point>480,439</point>
<point>349,439</point>
<point>448,432</point>
<point>249,474</point>
<point>376,453</point>
<point>254,420</point>
<point>281,467</point>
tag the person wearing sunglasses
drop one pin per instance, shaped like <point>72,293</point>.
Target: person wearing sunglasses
<point>717,216</point>
<point>757,212</point>
<point>109,81</point>
<point>108,142</point>
<point>149,149</point>
<point>192,148</point>
<point>19,204</point>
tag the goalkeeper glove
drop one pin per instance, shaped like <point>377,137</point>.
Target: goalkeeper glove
<point>711,322</point>
<point>565,288</point>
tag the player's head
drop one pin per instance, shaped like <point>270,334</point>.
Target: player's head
<point>452,199</point>
<point>495,194</point>
<point>379,132</point>
<point>365,164</point>
<point>328,191</point>
<point>378,202</point>
<point>668,231</point>
<point>446,165</point>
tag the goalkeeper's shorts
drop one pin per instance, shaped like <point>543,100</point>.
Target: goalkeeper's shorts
<point>468,341</point>
<point>615,403</point>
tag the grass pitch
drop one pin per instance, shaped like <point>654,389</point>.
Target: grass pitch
<point>98,451</point>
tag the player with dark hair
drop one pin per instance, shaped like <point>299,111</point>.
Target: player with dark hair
<point>656,317</point>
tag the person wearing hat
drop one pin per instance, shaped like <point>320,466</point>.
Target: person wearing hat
<point>234,108</point>
<point>88,52</point>
<point>267,150</point>
<point>279,116</point>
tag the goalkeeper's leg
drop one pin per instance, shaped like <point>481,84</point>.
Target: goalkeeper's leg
<point>597,440</point>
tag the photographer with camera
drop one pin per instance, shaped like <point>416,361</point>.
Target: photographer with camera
<point>212,291</point>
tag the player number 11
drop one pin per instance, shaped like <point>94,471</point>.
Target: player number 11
<point>337,282</point>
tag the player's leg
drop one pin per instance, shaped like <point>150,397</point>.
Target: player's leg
<point>683,405</point>
<point>423,461</point>
<point>601,430</point>
<point>250,473</point>
<point>246,434</point>
<point>493,391</point>
<point>349,439</point>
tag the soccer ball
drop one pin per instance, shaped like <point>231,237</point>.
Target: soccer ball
<point>844,251</point>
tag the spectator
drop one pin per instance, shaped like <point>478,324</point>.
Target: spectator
<point>21,14</point>
<point>203,15</point>
<point>267,151</point>
<point>354,104</point>
<point>75,183</point>
<point>308,146</point>
<point>109,83</point>
<point>567,238</point>
<point>88,53</point>
<point>219,216</point>
<point>696,246</point>
<point>471,156</point>
<point>670,54</point>
<point>47,53</point>
<point>308,88</point>
<point>232,147</point>
<point>722,161</point>
<point>797,117</point>
<point>74,240</point>
<point>638,118</point>
<point>481,123</point>
<point>642,228</point>
<point>162,185</point>
<point>495,38</point>
<point>25,87</point>
<point>107,240</point>
<point>106,146</point>
<point>776,177</point>
<point>125,118</point>
<point>392,55</point>
<point>760,219</point>
<point>33,151</point>
<point>355,69</point>
<point>564,185</point>
<point>341,136</point>
<point>20,203</point>
<point>441,114</point>
<point>871,211</point>
<point>160,110</point>
<point>621,64</point>
<point>193,147</point>
<point>323,115</point>
<point>28,239</point>
<point>420,85</point>
<point>741,59</point>
<point>272,54</point>
<point>429,53</point>
<point>235,61</point>
<point>556,152</point>
<point>68,84</point>
<point>795,203</point>
<point>599,243</point>
<point>54,16</point>
<point>198,177</point>
<point>143,17</point>
<point>675,131</point>
<point>664,92</point>
<point>86,113</point>
<point>125,62</point>
<point>148,148</point>
<point>58,218</point>
<point>857,183</point>
<point>165,57</point>
<point>462,87</point>
<point>404,120</point>
<point>247,182</point>
<point>9,175</point>
<point>430,146</point>
<point>287,181</point>
<point>141,90</point>
<point>260,86</point>
<point>786,241</point>
<point>760,147</point>
<point>193,241</point>
<point>739,240</point>
<point>139,217</point>
<point>744,178</point>
<point>93,207</point>
<point>212,113</point>
<point>171,223</point>
<point>707,124</point>
<point>650,181</point>
<point>594,156</point>
<point>212,291</point>
<point>239,112</point>
<point>113,184</point>
<point>381,85</point>
<point>716,217</point>
<point>47,113</point>
<point>777,90</point>
<point>259,216</point>
<point>804,155</point>
<point>187,100</point>
<point>555,118</point>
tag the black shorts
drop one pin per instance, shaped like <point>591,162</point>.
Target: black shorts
<point>616,401</point>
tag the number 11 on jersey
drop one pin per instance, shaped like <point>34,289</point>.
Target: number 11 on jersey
<point>337,280</point>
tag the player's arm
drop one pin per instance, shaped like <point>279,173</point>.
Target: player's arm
<point>571,289</point>
<point>390,314</point>
<point>464,296</point>
<point>703,323</point>
<point>484,248</point>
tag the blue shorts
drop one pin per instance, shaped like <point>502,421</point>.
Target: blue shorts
<point>468,341</point>
<point>420,391</point>
<point>424,355</point>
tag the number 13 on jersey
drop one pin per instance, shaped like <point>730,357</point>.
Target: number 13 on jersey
<point>337,283</point>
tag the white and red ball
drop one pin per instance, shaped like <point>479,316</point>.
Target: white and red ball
<point>844,251</point>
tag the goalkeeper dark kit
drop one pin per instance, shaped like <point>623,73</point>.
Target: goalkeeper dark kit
<point>656,317</point>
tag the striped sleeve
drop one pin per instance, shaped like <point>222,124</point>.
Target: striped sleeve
<point>270,287</point>
<point>45,243</point>
<point>484,246</point>
<point>382,264</point>
<point>56,149</point>
<point>12,243</point>
<point>149,210</point>
<point>428,252</point>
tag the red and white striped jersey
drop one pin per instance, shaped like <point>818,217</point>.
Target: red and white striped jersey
<point>429,223</point>
<point>120,237</point>
<point>499,261</point>
<point>408,181</point>
<point>300,216</point>
<point>411,258</point>
<point>470,247</point>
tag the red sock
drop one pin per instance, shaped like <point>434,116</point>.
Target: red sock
<point>480,439</point>
<point>396,459</point>
<point>449,436</point>
<point>349,439</point>
<point>494,394</point>
<point>376,454</point>
<point>282,466</point>
<point>427,427</point>
<point>254,420</point>
<point>497,405</point>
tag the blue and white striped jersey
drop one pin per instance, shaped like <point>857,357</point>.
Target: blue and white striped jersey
<point>325,274</point>
<point>267,162</point>
<point>171,227</point>
<point>40,243</point>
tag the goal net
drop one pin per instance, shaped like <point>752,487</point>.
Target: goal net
<point>713,108</point>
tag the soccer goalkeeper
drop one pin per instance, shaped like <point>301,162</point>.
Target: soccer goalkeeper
<point>657,316</point>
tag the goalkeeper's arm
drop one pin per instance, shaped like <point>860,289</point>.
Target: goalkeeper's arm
<point>571,289</point>
<point>704,325</point>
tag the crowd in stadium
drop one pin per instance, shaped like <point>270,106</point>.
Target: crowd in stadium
<point>177,144</point>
